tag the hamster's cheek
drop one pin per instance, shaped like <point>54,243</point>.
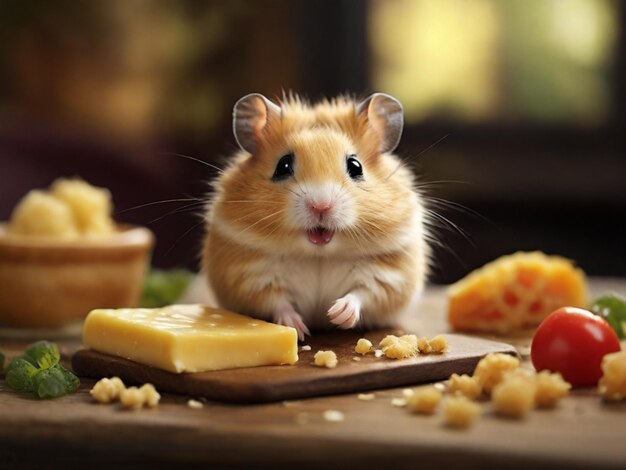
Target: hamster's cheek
<point>346,213</point>
<point>296,215</point>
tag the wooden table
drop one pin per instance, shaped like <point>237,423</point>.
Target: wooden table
<point>582,432</point>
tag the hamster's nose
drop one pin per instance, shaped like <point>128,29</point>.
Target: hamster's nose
<point>319,208</point>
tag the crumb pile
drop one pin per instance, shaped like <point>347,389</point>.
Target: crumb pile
<point>109,390</point>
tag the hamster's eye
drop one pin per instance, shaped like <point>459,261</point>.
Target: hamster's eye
<point>355,169</point>
<point>284,168</point>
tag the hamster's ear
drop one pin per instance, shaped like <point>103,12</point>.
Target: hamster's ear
<point>250,115</point>
<point>384,114</point>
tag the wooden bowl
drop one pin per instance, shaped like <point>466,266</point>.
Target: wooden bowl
<point>47,282</point>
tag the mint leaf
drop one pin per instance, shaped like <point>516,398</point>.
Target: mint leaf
<point>54,382</point>
<point>20,375</point>
<point>43,354</point>
<point>71,381</point>
<point>38,371</point>
<point>49,384</point>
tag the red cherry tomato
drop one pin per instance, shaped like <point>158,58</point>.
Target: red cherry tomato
<point>573,341</point>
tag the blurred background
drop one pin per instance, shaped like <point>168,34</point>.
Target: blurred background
<point>515,110</point>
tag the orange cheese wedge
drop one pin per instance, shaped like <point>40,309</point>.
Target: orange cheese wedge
<point>514,292</point>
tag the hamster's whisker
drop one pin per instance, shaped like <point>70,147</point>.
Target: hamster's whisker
<point>210,165</point>
<point>439,202</point>
<point>395,170</point>
<point>185,208</point>
<point>302,191</point>
<point>353,235</point>
<point>448,249</point>
<point>193,227</point>
<point>416,156</point>
<point>363,188</point>
<point>306,189</point>
<point>374,228</point>
<point>247,215</point>
<point>380,187</point>
<point>369,223</point>
<point>261,220</point>
<point>448,224</point>
<point>276,226</point>
<point>264,201</point>
<point>425,184</point>
<point>361,234</point>
<point>293,192</point>
<point>165,201</point>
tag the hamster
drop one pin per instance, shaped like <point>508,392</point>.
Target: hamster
<point>316,223</point>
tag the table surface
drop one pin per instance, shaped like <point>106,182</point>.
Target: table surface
<point>582,432</point>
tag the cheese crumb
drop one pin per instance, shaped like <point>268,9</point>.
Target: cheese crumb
<point>195,404</point>
<point>378,353</point>
<point>424,400</point>
<point>464,385</point>
<point>514,396</point>
<point>612,385</point>
<point>306,347</point>
<point>366,396</point>
<point>460,412</point>
<point>288,403</point>
<point>333,416</point>
<point>549,388</point>
<point>399,402</point>
<point>395,347</point>
<point>363,346</point>
<point>132,398</point>
<point>406,392</point>
<point>438,344</point>
<point>423,345</point>
<point>151,397</point>
<point>326,359</point>
<point>136,398</point>
<point>356,358</point>
<point>107,390</point>
<point>491,369</point>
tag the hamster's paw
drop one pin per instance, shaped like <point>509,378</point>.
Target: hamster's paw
<point>287,316</point>
<point>345,312</point>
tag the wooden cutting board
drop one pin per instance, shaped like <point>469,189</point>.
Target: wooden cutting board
<point>304,379</point>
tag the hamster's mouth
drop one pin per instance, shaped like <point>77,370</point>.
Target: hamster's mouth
<point>320,235</point>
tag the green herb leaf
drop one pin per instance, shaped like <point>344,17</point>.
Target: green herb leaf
<point>1,362</point>
<point>20,375</point>
<point>612,307</point>
<point>165,287</point>
<point>43,354</point>
<point>39,371</point>
<point>54,382</point>
<point>49,384</point>
<point>71,380</point>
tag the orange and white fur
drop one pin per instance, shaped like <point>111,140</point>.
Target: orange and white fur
<point>315,223</point>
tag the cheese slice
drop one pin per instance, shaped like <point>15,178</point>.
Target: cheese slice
<point>189,338</point>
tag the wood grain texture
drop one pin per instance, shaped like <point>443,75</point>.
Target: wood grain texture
<point>304,379</point>
<point>73,431</point>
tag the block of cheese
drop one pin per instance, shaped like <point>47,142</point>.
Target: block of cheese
<point>189,338</point>
<point>515,291</point>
